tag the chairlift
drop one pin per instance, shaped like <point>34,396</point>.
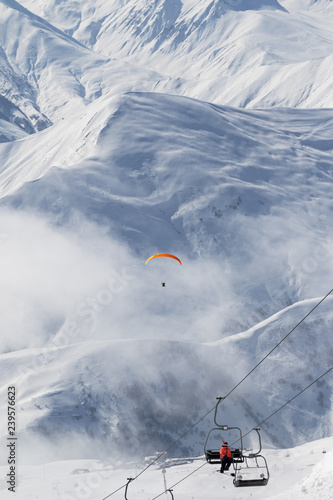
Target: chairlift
<point>250,469</point>
<point>254,470</point>
<point>129,480</point>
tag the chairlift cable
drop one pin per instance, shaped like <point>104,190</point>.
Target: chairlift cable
<point>262,422</point>
<point>175,442</point>
<point>181,480</point>
<point>161,454</point>
<point>290,400</point>
<point>232,390</point>
<point>277,345</point>
<point>116,491</point>
<point>228,394</point>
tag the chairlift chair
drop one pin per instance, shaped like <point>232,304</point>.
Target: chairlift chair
<point>249,469</point>
<point>254,471</point>
<point>213,455</point>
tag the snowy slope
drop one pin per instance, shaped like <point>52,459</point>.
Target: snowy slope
<point>305,471</point>
<point>92,395</point>
<point>106,161</point>
<point>192,178</point>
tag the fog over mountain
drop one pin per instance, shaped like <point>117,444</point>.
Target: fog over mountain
<point>200,129</point>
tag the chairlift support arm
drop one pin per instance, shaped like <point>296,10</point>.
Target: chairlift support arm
<point>129,480</point>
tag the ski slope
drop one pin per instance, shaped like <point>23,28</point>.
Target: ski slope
<point>297,473</point>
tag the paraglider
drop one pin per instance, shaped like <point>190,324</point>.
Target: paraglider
<point>164,255</point>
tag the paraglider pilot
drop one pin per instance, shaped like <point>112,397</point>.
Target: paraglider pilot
<point>163,284</point>
<point>225,456</point>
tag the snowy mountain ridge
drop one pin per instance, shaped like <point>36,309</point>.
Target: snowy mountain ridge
<point>241,53</point>
<point>129,128</point>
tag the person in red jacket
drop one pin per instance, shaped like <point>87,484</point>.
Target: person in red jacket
<point>225,456</point>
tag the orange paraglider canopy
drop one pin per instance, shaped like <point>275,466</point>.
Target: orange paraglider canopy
<point>163,255</point>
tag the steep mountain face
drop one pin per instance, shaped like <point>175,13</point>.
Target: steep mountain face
<point>18,103</point>
<point>47,73</point>
<point>107,161</point>
<point>188,177</point>
<point>14,124</point>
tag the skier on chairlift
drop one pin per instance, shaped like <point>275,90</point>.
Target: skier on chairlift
<point>225,456</point>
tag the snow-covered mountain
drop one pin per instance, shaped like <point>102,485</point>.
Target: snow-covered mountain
<point>247,53</point>
<point>202,129</point>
